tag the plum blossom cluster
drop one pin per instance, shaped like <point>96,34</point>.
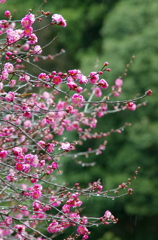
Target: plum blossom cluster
<point>35,112</point>
<point>59,20</point>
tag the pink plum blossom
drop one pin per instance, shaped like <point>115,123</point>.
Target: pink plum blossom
<point>54,165</point>
<point>97,91</point>
<point>43,76</point>
<point>50,147</point>
<point>66,208</point>
<point>4,75</point>
<point>28,20</point>
<point>74,72</point>
<point>103,84</point>
<point>24,77</point>
<point>93,77</point>
<point>20,228</point>
<point>54,201</point>
<point>12,83</point>
<point>54,227</point>
<point>28,31</point>
<point>3,153</point>
<point>26,46</point>
<point>26,168</point>
<point>75,217</point>
<point>83,79</point>
<point>118,82</point>
<point>57,80</point>
<point>10,97</point>
<point>59,20</point>
<point>14,35</point>
<point>107,214</point>
<point>72,85</point>
<point>8,220</point>
<point>25,22</point>
<point>65,146</point>
<point>37,49</point>
<point>11,177</point>
<point>27,124</point>
<point>17,151</point>
<point>19,166</point>
<point>82,230</point>
<point>36,194</point>
<point>9,67</point>
<point>77,99</point>
<point>32,39</point>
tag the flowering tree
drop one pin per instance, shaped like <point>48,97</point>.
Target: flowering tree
<point>32,201</point>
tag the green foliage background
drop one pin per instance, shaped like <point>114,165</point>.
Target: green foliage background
<point>113,31</point>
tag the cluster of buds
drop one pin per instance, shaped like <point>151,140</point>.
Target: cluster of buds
<point>108,218</point>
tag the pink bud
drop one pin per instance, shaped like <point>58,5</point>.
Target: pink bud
<point>7,14</point>
<point>149,92</point>
<point>131,106</point>
<point>106,64</point>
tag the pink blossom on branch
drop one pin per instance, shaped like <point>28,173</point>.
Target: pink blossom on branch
<point>118,82</point>
<point>93,77</point>
<point>8,67</point>
<point>28,20</point>
<point>14,35</point>
<point>32,39</point>
<point>10,97</point>
<point>59,20</point>
<point>28,31</point>
<point>66,146</point>
<point>24,77</point>
<point>7,14</point>
<point>57,80</point>
<point>37,49</point>
<point>82,230</point>
<point>77,99</point>
<point>103,84</point>
<point>3,153</point>
<point>131,106</point>
<point>107,214</point>
<point>25,22</point>
<point>97,91</point>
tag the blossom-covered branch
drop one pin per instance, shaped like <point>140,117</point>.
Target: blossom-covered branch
<point>34,111</point>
